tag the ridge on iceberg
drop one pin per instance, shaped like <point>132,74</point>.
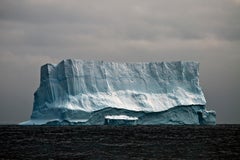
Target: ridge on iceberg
<point>86,92</point>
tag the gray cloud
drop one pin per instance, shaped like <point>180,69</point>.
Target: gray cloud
<point>37,32</point>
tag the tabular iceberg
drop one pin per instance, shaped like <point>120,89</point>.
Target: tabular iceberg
<point>98,92</point>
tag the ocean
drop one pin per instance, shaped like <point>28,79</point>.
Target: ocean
<point>120,142</point>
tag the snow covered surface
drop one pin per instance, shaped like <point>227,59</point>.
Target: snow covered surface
<point>120,117</point>
<point>77,89</point>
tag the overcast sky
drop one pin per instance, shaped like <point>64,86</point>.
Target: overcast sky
<point>35,32</point>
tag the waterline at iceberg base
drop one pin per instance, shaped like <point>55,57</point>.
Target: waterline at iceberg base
<point>77,92</point>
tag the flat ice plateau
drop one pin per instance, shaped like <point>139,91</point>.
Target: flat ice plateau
<point>98,92</point>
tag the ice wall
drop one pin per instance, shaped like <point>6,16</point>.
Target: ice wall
<point>74,89</point>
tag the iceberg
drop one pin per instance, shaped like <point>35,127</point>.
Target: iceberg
<point>83,92</point>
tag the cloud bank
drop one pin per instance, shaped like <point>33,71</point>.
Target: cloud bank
<point>37,32</point>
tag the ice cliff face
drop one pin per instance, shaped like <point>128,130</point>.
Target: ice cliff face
<point>85,92</point>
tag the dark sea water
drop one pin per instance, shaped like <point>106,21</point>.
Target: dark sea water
<point>120,142</point>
